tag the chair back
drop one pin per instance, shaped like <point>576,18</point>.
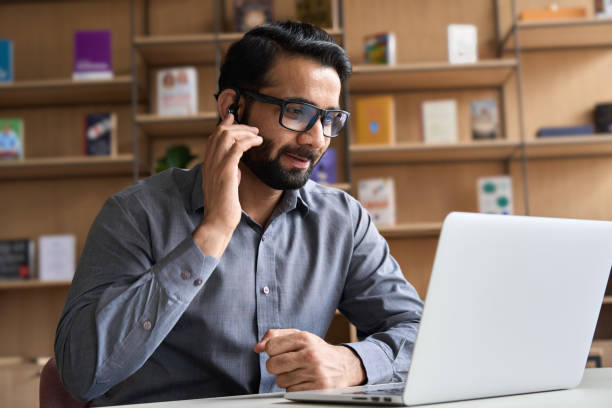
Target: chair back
<point>52,391</point>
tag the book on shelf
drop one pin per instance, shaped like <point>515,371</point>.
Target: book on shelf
<point>380,48</point>
<point>375,120</point>
<point>326,170</point>
<point>603,8</point>
<point>603,117</point>
<point>495,195</point>
<point>317,12</point>
<point>12,139</point>
<point>552,12</point>
<point>56,257</point>
<point>566,131</point>
<point>485,119</point>
<point>251,13</point>
<point>6,60</point>
<point>92,55</point>
<point>377,195</point>
<point>100,134</point>
<point>177,91</point>
<point>462,43</point>
<point>439,121</point>
<point>16,258</point>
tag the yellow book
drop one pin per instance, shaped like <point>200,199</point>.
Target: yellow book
<point>375,120</point>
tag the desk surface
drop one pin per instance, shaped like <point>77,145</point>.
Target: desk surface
<point>595,391</point>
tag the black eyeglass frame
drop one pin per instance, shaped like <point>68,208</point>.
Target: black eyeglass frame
<point>321,113</point>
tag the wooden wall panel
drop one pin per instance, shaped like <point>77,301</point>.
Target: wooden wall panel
<point>419,26</point>
<point>561,88</point>
<point>427,192</point>
<point>408,123</point>
<point>571,188</point>
<point>168,17</point>
<point>19,385</point>
<point>58,131</point>
<point>43,34</point>
<point>30,209</point>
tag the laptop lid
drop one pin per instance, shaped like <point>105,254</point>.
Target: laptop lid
<point>511,306</point>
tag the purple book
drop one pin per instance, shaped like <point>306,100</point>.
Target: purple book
<point>92,55</point>
<point>325,171</point>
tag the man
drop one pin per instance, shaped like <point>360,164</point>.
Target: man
<point>222,280</point>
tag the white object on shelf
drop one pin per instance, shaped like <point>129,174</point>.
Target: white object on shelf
<point>56,257</point>
<point>439,121</point>
<point>462,43</point>
<point>377,195</point>
<point>495,195</point>
<point>177,91</point>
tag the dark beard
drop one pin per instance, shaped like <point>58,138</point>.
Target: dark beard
<point>271,172</point>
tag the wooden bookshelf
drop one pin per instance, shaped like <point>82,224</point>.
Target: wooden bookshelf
<point>542,35</point>
<point>420,152</point>
<point>177,126</point>
<point>32,284</point>
<point>434,75</point>
<point>569,146</point>
<point>65,91</point>
<point>70,166</point>
<point>607,300</point>
<point>177,49</point>
<point>411,230</point>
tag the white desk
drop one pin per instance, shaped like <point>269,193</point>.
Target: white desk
<point>595,391</point>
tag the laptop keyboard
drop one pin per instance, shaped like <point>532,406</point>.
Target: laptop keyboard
<point>396,390</point>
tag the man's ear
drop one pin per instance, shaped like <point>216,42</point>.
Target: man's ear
<point>227,102</point>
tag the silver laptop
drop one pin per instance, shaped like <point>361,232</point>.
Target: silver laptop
<point>511,308</point>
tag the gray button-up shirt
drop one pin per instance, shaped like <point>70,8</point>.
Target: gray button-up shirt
<point>149,317</point>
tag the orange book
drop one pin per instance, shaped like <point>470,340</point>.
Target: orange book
<point>375,117</point>
<point>552,13</point>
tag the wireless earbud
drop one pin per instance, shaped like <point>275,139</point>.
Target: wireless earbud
<point>232,109</point>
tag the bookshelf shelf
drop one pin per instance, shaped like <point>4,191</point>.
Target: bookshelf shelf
<point>569,146</point>
<point>420,152</point>
<point>69,166</point>
<point>65,91</point>
<point>176,126</point>
<point>541,35</point>
<point>411,230</point>
<point>31,284</point>
<point>435,75</point>
<point>163,50</point>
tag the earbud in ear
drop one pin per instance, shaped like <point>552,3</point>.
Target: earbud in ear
<point>232,109</point>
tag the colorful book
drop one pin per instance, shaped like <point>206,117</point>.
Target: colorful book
<point>566,131</point>
<point>439,121</point>
<point>12,139</point>
<point>92,55</point>
<point>326,170</point>
<point>177,91</point>
<point>6,60</point>
<point>56,257</point>
<point>485,119</point>
<point>251,13</point>
<point>317,12</point>
<point>100,134</point>
<point>380,49</point>
<point>462,43</point>
<point>16,259</point>
<point>377,195</point>
<point>603,118</point>
<point>552,13</point>
<point>495,195</point>
<point>375,120</point>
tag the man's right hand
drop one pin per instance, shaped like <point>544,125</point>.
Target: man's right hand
<point>220,180</point>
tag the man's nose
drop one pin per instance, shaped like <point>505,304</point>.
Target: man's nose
<point>313,136</point>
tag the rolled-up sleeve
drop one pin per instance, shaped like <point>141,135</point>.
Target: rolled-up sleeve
<point>383,306</point>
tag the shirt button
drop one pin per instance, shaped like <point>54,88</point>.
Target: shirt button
<point>147,325</point>
<point>266,290</point>
<point>263,237</point>
<point>186,275</point>
<point>197,282</point>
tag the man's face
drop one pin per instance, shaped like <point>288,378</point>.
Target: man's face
<point>286,158</point>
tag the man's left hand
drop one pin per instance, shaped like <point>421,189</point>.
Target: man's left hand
<point>303,361</point>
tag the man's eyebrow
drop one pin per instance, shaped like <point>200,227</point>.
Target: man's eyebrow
<point>305,100</point>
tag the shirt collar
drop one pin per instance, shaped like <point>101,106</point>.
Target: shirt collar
<point>290,200</point>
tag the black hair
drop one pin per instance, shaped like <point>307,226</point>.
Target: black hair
<point>248,60</point>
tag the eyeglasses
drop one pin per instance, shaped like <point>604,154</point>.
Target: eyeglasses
<point>301,116</point>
